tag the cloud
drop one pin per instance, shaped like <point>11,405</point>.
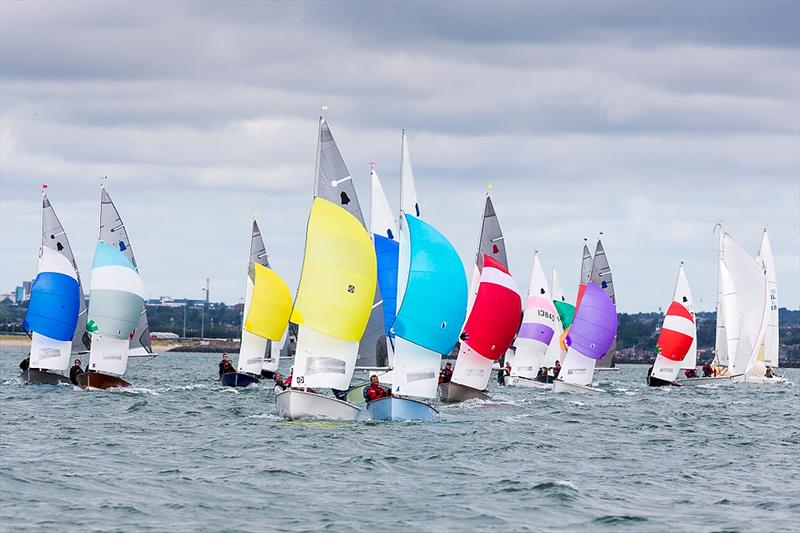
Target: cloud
<point>647,121</point>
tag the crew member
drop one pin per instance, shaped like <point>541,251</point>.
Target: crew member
<point>707,370</point>
<point>225,366</point>
<point>278,378</point>
<point>542,375</point>
<point>75,371</point>
<point>769,373</point>
<point>446,374</point>
<point>25,363</point>
<point>556,369</point>
<point>374,391</point>
<point>690,373</point>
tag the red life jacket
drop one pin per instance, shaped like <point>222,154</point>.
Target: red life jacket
<point>375,392</point>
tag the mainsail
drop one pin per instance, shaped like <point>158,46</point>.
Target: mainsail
<point>383,227</point>
<point>590,336</point>
<point>540,329</point>
<point>112,232</point>
<point>267,305</point>
<point>677,341</point>
<point>767,261</point>
<point>601,276</point>
<point>431,295</point>
<point>55,238</point>
<point>338,281</point>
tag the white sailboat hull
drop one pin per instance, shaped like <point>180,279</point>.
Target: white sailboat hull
<point>606,369</point>
<point>759,380</point>
<point>711,380</point>
<point>295,404</point>
<point>563,386</point>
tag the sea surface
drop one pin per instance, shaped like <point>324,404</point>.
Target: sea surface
<point>180,453</point>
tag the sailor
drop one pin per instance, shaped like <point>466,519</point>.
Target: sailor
<point>446,374</point>
<point>690,373</point>
<point>75,371</point>
<point>278,378</point>
<point>542,375</point>
<point>556,369</point>
<point>374,391</point>
<point>25,363</point>
<point>707,370</point>
<point>769,373</point>
<point>225,366</point>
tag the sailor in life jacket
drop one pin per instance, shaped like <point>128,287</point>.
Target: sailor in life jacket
<point>374,391</point>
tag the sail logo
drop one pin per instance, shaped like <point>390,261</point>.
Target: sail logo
<point>351,289</point>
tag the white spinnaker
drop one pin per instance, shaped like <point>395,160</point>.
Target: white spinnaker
<point>752,301</point>
<point>721,352</point>
<point>683,295</point>
<point>48,353</point>
<point>381,219</point>
<point>577,368</point>
<point>532,353</point>
<point>771,343</point>
<point>109,355</point>
<point>323,361</point>
<point>253,347</point>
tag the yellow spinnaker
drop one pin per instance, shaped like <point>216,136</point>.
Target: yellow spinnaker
<point>271,305</point>
<point>337,285</point>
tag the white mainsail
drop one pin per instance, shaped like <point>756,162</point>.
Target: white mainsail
<point>771,337</point>
<point>253,348</point>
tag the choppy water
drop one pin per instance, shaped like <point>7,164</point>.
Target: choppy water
<point>180,453</point>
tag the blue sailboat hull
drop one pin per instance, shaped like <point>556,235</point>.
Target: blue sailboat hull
<point>238,379</point>
<point>400,410</point>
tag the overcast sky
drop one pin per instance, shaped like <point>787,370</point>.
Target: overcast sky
<point>648,121</point>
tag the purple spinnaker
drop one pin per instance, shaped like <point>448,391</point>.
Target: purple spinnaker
<point>536,332</point>
<point>595,324</point>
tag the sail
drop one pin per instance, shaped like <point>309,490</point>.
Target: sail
<point>771,337</point>
<point>112,232</point>
<point>721,339</point>
<point>678,335</point>
<point>565,309</point>
<point>53,311</point>
<point>55,238</point>
<point>432,296</point>
<point>268,303</point>
<point>591,334</point>
<point>384,233</point>
<point>752,304</point>
<point>335,296</point>
<point>115,305</point>
<point>601,276</point>
<point>491,244</point>
<point>540,328</point>
<point>408,188</point>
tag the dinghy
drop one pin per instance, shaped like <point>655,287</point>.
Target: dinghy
<point>677,340</point>
<point>116,304</point>
<point>494,315</point>
<point>432,302</point>
<point>267,305</point>
<point>336,294</point>
<point>537,339</point>
<point>590,336</point>
<point>56,315</point>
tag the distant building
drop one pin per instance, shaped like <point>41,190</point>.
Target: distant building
<point>26,291</point>
<point>8,298</point>
<point>19,294</point>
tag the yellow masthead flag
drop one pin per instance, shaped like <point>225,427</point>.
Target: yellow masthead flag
<point>337,284</point>
<point>271,305</point>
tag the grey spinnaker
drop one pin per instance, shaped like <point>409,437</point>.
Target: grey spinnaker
<point>601,276</point>
<point>55,238</point>
<point>334,183</point>
<point>112,231</point>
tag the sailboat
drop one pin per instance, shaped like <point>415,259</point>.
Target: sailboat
<point>335,297</point>
<point>56,316</point>
<point>767,357</point>
<point>590,336</point>
<point>493,316</point>
<point>677,340</point>
<point>116,304</point>
<point>267,305</point>
<point>432,302</point>
<point>537,339</point>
